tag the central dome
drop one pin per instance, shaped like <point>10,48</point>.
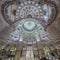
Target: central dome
<point>29,25</point>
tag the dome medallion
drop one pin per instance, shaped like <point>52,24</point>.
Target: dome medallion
<point>29,25</point>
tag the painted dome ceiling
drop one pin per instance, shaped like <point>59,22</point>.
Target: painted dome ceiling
<point>29,19</point>
<point>27,28</point>
<point>44,12</point>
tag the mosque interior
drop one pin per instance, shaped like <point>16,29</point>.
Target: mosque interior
<point>29,29</point>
